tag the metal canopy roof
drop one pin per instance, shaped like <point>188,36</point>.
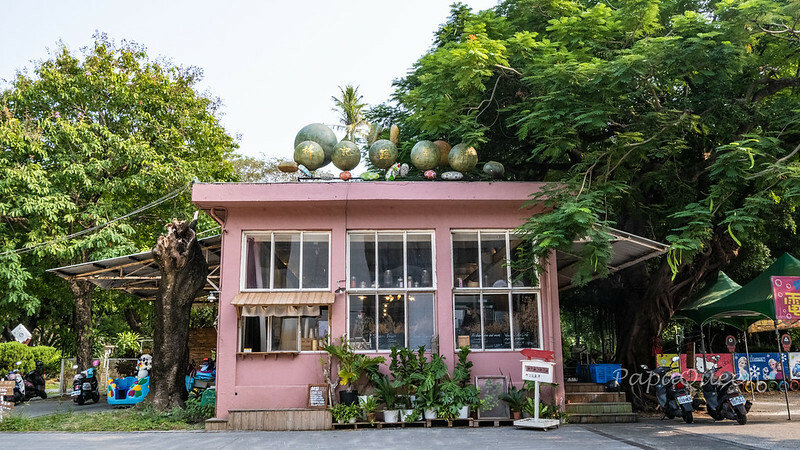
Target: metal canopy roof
<point>627,250</point>
<point>138,274</point>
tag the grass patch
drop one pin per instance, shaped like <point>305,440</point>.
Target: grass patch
<point>142,417</point>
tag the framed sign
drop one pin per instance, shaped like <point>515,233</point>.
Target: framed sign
<point>318,396</point>
<point>6,387</point>
<point>489,390</point>
<point>533,370</point>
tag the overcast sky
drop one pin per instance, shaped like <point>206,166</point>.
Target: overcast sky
<point>274,64</point>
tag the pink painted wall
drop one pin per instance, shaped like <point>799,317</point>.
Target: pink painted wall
<point>271,382</point>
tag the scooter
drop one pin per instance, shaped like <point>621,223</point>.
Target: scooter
<point>673,393</point>
<point>85,386</point>
<point>724,400</point>
<point>34,382</point>
<point>19,386</point>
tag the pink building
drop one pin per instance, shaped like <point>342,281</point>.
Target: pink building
<point>414,261</point>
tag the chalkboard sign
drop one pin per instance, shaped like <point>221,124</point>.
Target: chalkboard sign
<point>318,396</point>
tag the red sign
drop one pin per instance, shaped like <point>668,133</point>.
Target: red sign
<point>786,292</point>
<point>786,342</point>
<point>538,354</point>
<point>730,342</point>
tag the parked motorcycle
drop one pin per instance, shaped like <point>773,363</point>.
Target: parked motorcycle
<point>673,393</point>
<point>724,400</point>
<point>19,386</point>
<point>34,382</point>
<point>85,386</point>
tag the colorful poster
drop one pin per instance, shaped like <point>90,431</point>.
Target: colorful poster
<point>794,364</point>
<point>665,360</point>
<point>722,360</point>
<point>786,292</point>
<point>763,366</point>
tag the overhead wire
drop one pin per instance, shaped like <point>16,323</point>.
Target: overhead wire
<point>153,204</point>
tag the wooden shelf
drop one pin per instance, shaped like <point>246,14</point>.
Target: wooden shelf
<point>265,354</point>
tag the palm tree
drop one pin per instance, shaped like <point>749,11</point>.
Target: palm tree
<point>350,109</point>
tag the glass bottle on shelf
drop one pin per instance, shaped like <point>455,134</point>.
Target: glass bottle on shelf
<point>387,278</point>
<point>426,277</point>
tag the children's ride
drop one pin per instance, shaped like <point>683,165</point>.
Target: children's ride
<point>131,390</point>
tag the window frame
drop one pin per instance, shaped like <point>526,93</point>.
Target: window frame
<point>480,291</point>
<point>271,233</point>
<point>265,325</point>
<point>405,291</point>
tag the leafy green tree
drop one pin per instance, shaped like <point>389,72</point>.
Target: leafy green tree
<point>87,139</point>
<point>351,112</point>
<point>672,120</point>
<point>263,169</point>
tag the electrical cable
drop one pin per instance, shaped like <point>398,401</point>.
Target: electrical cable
<point>161,200</point>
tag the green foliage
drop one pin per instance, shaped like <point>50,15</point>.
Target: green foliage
<point>352,366</point>
<point>343,413</point>
<point>11,352</point>
<point>515,398</point>
<point>49,356</point>
<point>126,345</point>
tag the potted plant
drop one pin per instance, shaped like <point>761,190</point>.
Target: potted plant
<point>428,382</point>
<point>345,413</point>
<point>370,405</point>
<point>515,398</point>
<point>351,367</point>
<point>387,394</point>
<point>411,415</point>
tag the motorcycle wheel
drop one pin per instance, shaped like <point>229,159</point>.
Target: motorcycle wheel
<point>687,417</point>
<point>96,397</point>
<point>741,418</point>
<point>80,400</point>
<point>43,394</point>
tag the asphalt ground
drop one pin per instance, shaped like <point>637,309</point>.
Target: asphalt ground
<point>767,428</point>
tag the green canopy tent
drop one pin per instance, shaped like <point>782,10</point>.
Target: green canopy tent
<point>696,309</point>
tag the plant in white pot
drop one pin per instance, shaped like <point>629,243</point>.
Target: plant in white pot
<point>351,368</point>
<point>387,394</point>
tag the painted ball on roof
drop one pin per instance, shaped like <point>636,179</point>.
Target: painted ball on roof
<point>287,166</point>
<point>463,158</point>
<point>320,134</point>
<point>494,169</point>
<point>444,152</point>
<point>309,154</point>
<point>425,155</point>
<point>346,155</point>
<point>382,154</point>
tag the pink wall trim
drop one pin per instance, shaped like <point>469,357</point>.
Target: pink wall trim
<point>256,382</point>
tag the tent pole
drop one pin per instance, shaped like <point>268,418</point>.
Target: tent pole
<point>703,348</point>
<point>749,370</point>
<point>783,373</point>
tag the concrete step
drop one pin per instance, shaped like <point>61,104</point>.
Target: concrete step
<point>594,397</point>
<point>599,408</point>
<point>584,387</point>
<point>603,418</point>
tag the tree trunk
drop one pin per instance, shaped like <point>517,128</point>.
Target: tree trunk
<point>183,273</point>
<point>133,319</point>
<point>82,291</point>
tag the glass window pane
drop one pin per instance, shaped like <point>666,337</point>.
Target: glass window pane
<point>258,256</point>
<point>420,320</point>
<point>465,259</point>
<point>518,278</point>
<point>390,260</point>
<point>362,322</point>
<point>314,329</point>
<point>251,335</point>
<point>526,321</point>
<point>493,260</point>
<point>420,260</point>
<point>467,321</point>
<point>362,260</point>
<point>391,321</point>
<point>287,261</point>
<point>315,260</point>
<point>284,334</point>
<point>496,327</point>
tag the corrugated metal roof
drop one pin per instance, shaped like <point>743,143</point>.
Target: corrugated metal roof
<point>282,298</point>
<point>138,274</point>
<point>627,250</point>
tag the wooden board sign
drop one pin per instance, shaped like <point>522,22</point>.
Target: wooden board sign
<point>6,387</point>
<point>318,396</point>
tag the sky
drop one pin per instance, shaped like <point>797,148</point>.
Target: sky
<point>274,64</point>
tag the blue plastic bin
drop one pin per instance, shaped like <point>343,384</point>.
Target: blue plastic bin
<point>603,373</point>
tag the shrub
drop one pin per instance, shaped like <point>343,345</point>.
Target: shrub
<point>11,352</point>
<point>126,345</point>
<point>50,356</point>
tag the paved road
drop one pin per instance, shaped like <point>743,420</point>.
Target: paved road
<point>38,407</point>
<point>767,428</point>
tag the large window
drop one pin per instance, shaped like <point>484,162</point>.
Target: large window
<point>493,308</point>
<point>264,333</point>
<point>391,283</point>
<point>286,260</point>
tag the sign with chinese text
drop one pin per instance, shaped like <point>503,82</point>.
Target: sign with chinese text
<point>541,371</point>
<point>786,292</point>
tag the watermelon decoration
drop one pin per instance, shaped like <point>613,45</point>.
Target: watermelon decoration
<point>382,154</point>
<point>429,174</point>
<point>425,155</point>
<point>309,154</point>
<point>320,134</point>
<point>494,169</point>
<point>444,152</point>
<point>463,158</point>
<point>346,156</point>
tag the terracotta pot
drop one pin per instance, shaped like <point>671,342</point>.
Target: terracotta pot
<point>516,415</point>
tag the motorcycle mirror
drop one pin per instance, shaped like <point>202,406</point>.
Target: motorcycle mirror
<point>75,367</point>
<point>644,366</point>
<point>676,358</point>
